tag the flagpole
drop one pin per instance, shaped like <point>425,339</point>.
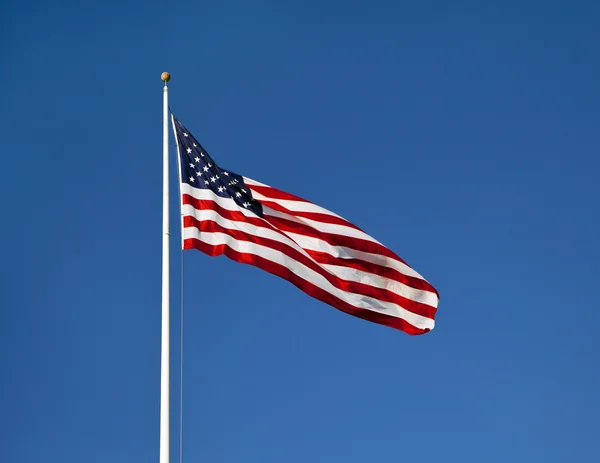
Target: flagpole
<point>165,330</point>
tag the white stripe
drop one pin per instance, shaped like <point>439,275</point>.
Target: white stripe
<point>342,252</point>
<point>313,244</point>
<point>250,182</point>
<point>206,194</point>
<point>339,271</point>
<point>296,206</point>
<point>321,226</point>
<point>356,300</point>
<point>377,281</point>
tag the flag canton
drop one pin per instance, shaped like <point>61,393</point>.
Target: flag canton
<point>200,171</point>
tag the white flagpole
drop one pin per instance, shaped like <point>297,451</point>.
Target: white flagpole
<point>164,355</point>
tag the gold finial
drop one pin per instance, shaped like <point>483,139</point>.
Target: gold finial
<point>165,77</point>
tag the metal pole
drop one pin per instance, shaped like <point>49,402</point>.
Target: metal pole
<point>165,338</point>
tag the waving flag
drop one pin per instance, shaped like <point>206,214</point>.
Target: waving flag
<point>321,253</point>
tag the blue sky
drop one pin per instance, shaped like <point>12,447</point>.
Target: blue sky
<point>463,135</point>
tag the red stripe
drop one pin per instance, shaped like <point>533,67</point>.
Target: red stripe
<point>277,225</point>
<point>344,285</point>
<point>317,216</point>
<point>237,216</point>
<point>292,226</point>
<point>274,193</point>
<point>309,288</point>
<point>376,269</point>
<point>359,244</point>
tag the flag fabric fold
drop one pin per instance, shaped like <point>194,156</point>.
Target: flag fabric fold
<point>318,251</point>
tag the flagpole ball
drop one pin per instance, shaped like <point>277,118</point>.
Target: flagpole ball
<point>165,77</point>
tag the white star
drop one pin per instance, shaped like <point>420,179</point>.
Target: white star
<point>202,154</point>
<point>212,179</point>
<point>189,150</point>
<point>197,159</point>
<point>225,173</point>
<point>238,194</point>
<point>205,169</point>
<point>209,165</point>
<point>244,191</point>
<point>217,177</point>
<point>192,179</point>
<point>185,134</point>
<point>194,144</point>
<point>192,165</point>
<point>221,189</point>
<point>245,204</point>
<point>206,181</point>
<point>198,174</point>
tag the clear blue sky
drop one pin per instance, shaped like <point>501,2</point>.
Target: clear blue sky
<point>463,135</point>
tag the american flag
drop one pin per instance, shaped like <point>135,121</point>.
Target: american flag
<point>318,251</point>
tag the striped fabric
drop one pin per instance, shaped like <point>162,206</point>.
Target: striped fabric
<point>315,249</point>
